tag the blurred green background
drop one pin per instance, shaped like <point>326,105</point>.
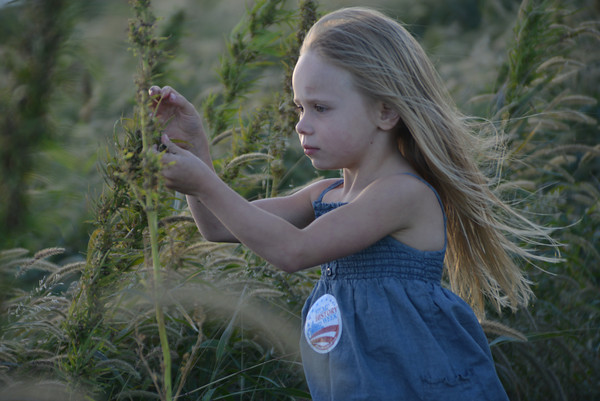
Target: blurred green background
<point>67,78</point>
<point>90,86</point>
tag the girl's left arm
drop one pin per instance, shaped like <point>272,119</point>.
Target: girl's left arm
<point>288,247</point>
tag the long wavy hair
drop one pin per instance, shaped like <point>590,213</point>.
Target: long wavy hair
<point>441,144</point>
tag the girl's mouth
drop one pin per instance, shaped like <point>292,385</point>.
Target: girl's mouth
<point>309,150</point>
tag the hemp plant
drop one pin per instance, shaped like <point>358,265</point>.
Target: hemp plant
<point>145,182</point>
<point>258,43</point>
<point>126,228</point>
<point>109,336</point>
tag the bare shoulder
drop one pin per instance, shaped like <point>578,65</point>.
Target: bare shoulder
<point>413,208</point>
<point>316,188</point>
<point>400,189</point>
<point>313,190</point>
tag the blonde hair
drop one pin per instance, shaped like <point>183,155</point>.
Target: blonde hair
<point>389,65</point>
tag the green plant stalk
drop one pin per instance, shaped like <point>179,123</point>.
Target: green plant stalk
<point>150,198</point>
<point>150,208</point>
<point>160,317</point>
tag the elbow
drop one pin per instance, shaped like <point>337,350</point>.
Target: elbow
<point>288,267</point>
<point>290,261</point>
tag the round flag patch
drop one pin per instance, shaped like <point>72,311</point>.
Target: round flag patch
<point>323,326</point>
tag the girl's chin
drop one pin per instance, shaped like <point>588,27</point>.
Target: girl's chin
<point>323,167</point>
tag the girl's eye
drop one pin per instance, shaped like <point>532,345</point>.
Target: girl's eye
<point>317,107</point>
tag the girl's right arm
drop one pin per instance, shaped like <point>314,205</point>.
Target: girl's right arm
<point>183,125</point>
<point>295,208</point>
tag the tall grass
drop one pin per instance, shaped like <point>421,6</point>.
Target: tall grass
<point>544,103</point>
<point>230,322</point>
<point>155,312</point>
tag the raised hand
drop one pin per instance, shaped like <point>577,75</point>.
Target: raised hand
<point>182,122</point>
<point>183,171</point>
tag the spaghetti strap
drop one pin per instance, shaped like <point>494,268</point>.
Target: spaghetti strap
<point>430,187</point>
<point>329,188</point>
<point>439,201</point>
<point>337,183</point>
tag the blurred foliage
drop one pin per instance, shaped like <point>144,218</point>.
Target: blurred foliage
<point>549,111</point>
<point>91,324</point>
<point>232,321</point>
<point>35,57</point>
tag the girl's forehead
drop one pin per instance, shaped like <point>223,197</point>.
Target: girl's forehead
<point>314,74</point>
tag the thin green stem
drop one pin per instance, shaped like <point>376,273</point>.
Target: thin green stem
<point>150,207</point>
<point>160,317</point>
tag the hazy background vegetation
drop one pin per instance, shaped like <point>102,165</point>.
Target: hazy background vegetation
<point>67,79</point>
<point>91,85</point>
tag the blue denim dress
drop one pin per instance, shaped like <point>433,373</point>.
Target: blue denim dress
<point>379,326</point>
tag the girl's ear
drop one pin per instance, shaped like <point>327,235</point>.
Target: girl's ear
<point>388,117</point>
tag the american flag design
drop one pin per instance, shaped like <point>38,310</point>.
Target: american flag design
<point>323,326</point>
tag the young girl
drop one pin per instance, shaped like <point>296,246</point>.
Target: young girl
<point>378,324</point>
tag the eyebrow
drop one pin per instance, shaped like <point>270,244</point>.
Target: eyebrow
<point>312,100</point>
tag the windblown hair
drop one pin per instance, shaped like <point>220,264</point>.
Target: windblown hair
<point>387,64</point>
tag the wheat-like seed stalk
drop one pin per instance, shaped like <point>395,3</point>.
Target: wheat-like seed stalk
<point>497,328</point>
<point>32,263</point>
<point>12,254</point>
<point>206,247</point>
<point>48,252</point>
<point>247,158</point>
<point>174,220</point>
<point>119,364</point>
<point>222,136</point>
<point>75,267</point>
<point>595,150</point>
<point>229,260</point>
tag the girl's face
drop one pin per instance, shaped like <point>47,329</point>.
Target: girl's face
<point>336,123</point>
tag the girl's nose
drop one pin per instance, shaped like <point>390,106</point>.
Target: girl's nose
<point>303,127</point>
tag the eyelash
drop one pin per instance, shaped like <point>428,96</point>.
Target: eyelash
<point>318,108</point>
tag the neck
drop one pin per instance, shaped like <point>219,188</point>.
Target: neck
<point>357,179</point>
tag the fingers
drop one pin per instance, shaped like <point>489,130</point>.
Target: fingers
<point>167,147</point>
<point>166,142</point>
<point>154,90</point>
<point>167,96</point>
<point>160,100</point>
<point>171,147</point>
<point>161,93</point>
